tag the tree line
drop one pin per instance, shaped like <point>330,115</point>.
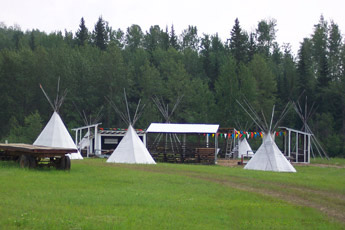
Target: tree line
<point>211,74</point>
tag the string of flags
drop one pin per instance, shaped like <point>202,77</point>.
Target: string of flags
<point>244,134</point>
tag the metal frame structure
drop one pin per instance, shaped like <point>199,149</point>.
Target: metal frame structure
<point>306,139</point>
<point>80,136</point>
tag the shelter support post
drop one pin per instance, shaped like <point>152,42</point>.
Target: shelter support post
<point>215,148</point>
<point>296,147</point>
<point>304,148</point>
<point>144,139</point>
<point>308,148</point>
<point>184,143</point>
<point>207,140</point>
<point>96,140</point>
<point>289,144</point>
<point>88,139</point>
<point>76,138</point>
<point>80,135</point>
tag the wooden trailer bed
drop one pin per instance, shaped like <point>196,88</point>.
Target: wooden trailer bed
<point>32,156</point>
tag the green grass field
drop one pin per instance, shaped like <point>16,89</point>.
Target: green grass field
<point>97,195</point>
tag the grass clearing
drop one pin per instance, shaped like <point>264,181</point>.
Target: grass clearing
<point>97,195</point>
<point>332,161</point>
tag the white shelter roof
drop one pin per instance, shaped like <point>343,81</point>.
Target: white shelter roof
<point>182,128</point>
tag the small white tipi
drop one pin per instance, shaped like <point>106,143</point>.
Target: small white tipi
<point>131,150</point>
<point>268,157</point>
<point>244,148</point>
<point>55,133</point>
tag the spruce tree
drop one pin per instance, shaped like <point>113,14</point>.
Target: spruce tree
<point>320,52</point>
<point>306,79</point>
<point>82,34</point>
<point>334,47</point>
<point>100,36</point>
<point>173,39</point>
<point>238,43</point>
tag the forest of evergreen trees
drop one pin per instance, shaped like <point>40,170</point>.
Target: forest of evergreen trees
<point>209,72</point>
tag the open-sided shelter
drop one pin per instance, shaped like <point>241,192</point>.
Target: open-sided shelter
<point>185,151</point>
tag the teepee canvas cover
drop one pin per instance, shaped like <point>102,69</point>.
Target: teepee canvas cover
<point>55,134</point>
<point>244,148</point>
<point>131,150</point>
<point>269,158</point>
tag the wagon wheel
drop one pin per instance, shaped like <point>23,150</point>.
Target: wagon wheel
<point>24,161</point>
<point>32,162</point>
<point>67,163</point>
<point>61,163</point>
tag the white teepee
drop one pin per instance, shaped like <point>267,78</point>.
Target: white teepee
<point>131,149</point>
<point>269,158</point>
<point>55,134</point>
<point>244,148</point>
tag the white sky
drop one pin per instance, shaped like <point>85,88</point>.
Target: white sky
<point>295,18</point>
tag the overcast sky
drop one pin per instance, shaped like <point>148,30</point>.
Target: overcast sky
<point>295,18</point>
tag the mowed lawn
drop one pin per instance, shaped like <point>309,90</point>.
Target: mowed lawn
<point>98,195</point>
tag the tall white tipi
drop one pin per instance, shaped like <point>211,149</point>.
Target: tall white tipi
<point>55,133</point>
<point>131,150</point>
<point>268,157</point>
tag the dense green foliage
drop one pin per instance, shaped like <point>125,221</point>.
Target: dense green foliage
<point>210,73</point>
<point>99,195</point>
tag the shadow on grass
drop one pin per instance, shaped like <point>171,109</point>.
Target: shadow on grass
<point>40,168</point>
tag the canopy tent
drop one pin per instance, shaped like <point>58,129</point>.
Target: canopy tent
<point>131,150</point>
<point>188,148</point>
<point>55,134</point>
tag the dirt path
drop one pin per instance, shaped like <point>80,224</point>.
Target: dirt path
<point>330,203</point>
<point>296,196</point>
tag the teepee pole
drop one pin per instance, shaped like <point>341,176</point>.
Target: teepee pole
<point>271,118</point>
<point>45,94</point>
<point>255,121</point>
<point>129,117</point>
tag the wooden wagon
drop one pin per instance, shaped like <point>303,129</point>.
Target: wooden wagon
<point>32,156</point>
